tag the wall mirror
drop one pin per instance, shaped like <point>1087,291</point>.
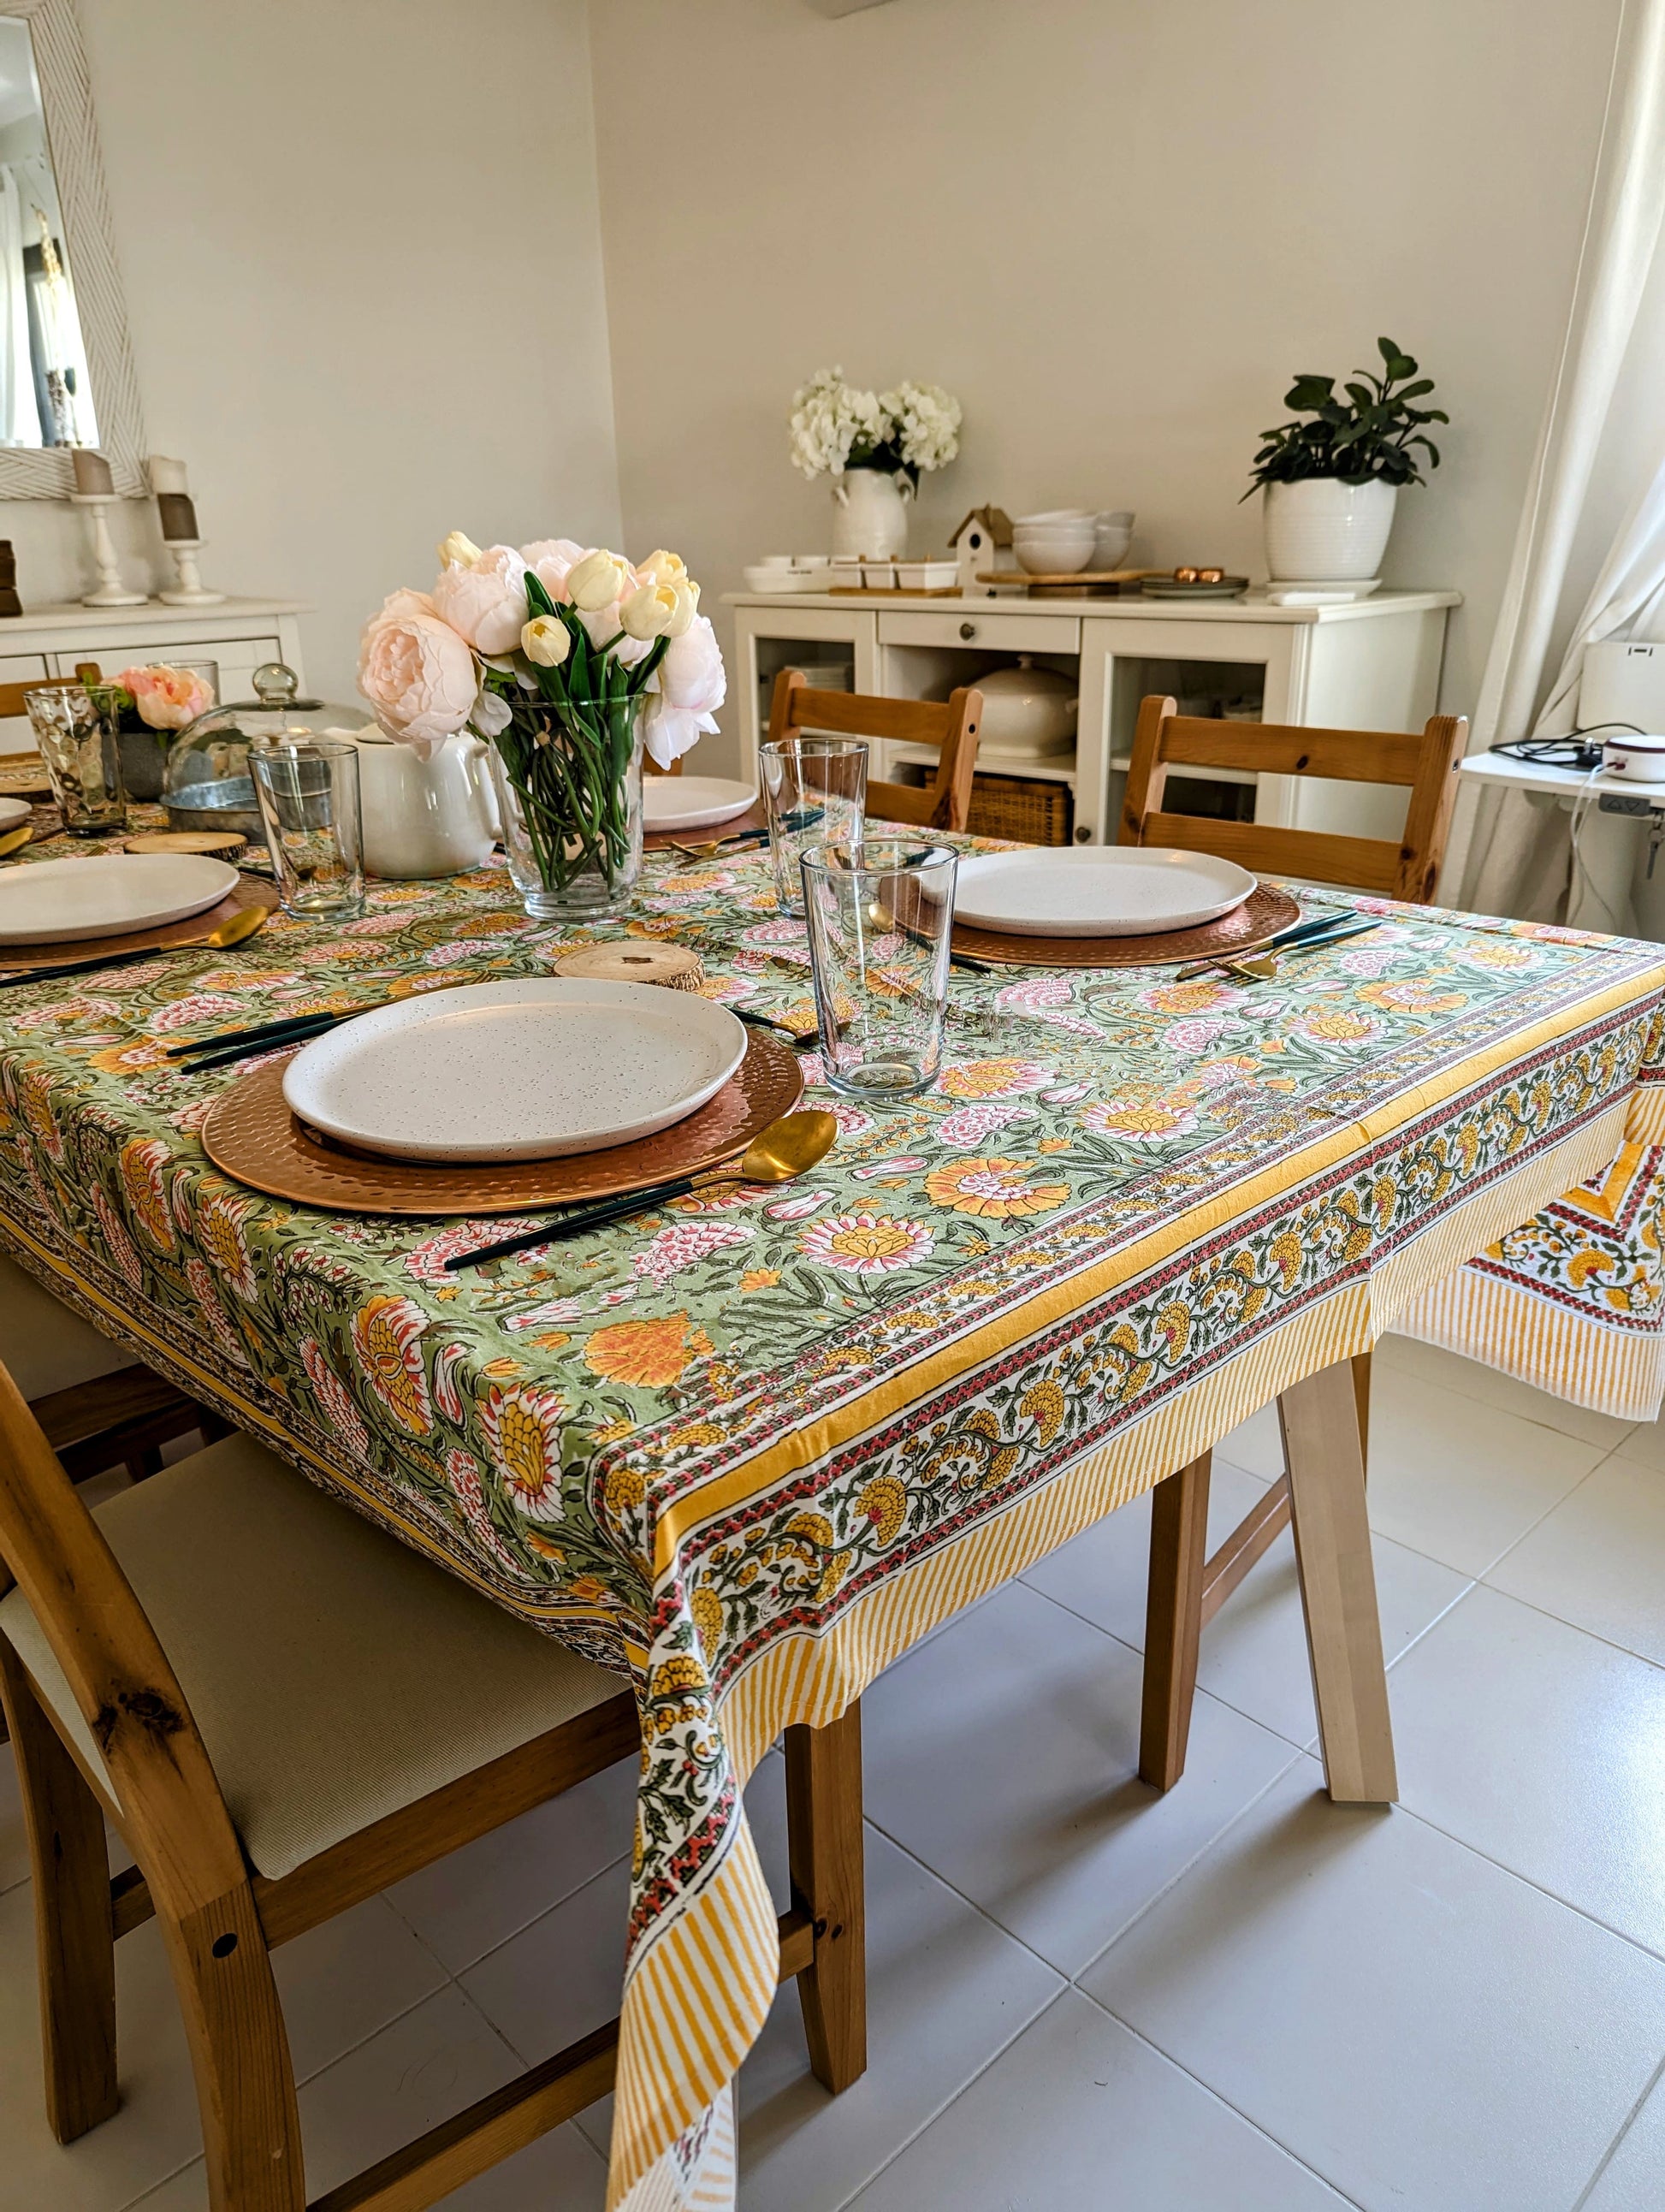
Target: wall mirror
<point>66,371</point>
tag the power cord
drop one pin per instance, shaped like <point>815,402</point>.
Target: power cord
<point>1569,752</point>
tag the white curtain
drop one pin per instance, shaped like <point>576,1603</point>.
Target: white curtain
<point>1510,854</point>
<point>19,416</point>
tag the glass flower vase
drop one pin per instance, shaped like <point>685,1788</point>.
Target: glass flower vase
<point>570,798</point>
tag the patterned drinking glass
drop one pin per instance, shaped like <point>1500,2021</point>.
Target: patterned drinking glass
<point>79,736</point>
<point>879,917</point>
<point>815,792</point>
<point>309,802</point>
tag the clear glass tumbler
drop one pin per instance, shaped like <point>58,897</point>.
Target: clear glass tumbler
<point>815,792</point>
<point>79,736</point>
<point>309,802</point>
<point>879,919</point>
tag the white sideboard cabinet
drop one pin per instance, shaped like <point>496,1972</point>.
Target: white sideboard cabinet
<point>237,633</point>
<point>1372,664</point>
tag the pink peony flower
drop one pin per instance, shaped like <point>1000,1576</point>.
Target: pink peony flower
<point>166,697</point>
<point>417,673</point>
<point>687,687</point>
<point>486,602</point>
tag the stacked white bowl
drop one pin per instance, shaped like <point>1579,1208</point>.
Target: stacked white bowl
<point>1059,543</point>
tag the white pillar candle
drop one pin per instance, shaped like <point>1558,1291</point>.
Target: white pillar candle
<point>165,475</point>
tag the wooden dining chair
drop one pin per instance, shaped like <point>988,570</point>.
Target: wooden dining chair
<point>284,1710</point>
<point>951,725</point>
<point>1188,1587</point>
<point>1425,764</point>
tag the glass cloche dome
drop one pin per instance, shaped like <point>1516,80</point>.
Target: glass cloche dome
<point>209,784</point>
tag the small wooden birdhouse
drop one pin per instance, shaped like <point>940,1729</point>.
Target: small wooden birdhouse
<point>982,542</point>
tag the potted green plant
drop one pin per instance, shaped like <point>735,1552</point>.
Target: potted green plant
<point>1332,476</point>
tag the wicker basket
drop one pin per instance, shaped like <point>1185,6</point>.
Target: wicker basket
<point>1026,808</point>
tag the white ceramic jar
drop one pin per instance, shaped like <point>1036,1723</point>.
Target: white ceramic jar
<point>870,514</point>
<point>423,818</point>
<point>1323,531</point>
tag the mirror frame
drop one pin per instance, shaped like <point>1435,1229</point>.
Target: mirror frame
<point>66,100</point>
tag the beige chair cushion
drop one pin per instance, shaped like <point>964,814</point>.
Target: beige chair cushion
<point>335,1675</point>
<point>48,1347</point>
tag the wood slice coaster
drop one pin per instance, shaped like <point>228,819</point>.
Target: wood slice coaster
<point>251,891</point>
<point>225,845</point>
<point>677,967</point>
<point>23,775</point>
<point>1245,929</point>
<point>656,841</point>
<point>251,1136</point>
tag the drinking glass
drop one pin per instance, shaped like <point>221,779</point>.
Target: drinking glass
<point>879,916</point>
<point>815,792</point>
<point>78,733</point>
<point>309,802</point>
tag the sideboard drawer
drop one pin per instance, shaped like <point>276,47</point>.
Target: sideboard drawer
<point>973,623</point>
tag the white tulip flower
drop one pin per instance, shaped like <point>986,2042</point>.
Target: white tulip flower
<point>457,551</point>
<point>688,606</point>
<point>649,611</point>
<point>599,580</point>
<point>544,640</point>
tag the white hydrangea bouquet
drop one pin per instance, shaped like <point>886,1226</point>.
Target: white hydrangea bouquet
<point>567,661</point>
<point>836,426</point>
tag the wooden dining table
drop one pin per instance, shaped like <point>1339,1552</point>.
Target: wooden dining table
<point>750,1446</point>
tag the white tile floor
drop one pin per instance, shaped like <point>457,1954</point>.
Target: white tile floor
<point>1238,1997</point>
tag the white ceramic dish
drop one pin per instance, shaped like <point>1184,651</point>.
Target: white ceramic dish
<point>65,902</point>
<point>772,578</point>
<point>1100,891</point>
<point>692,802</point>
<point>1169,587</point>
<point>12,811</point>
<point>534,1070</point>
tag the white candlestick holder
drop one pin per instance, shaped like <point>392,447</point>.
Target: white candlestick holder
<point>188,591</point>
<point>110,592</point>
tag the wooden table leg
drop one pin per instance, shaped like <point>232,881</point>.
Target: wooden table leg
<point>1173,1621</point>
<point>1319,1417</point>
<point>824,1827</point>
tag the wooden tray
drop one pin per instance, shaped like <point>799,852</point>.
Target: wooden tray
<point>1260,916</point>
<point>251,891</point>
<point>251,1136</point>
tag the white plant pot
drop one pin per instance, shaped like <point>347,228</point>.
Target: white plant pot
<point>870,514</point>
<point>1321,530</point>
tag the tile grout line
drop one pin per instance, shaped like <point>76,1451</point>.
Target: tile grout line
<point>1612,2150</point>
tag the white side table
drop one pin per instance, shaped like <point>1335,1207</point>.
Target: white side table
<point>1612,890</point>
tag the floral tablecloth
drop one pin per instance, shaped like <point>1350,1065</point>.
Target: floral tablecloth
<point>751,1446</point>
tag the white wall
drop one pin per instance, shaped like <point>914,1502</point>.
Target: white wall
<point>360,247</point>
<point>1114,227</point>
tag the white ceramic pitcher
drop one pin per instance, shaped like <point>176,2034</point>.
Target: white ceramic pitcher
<point>423,818</point>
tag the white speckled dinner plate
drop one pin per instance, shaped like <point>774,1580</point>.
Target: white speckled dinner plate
<point>693,802</point>
<point>61,901</point>
<point>527,1070</point>
<point>1096,891</point>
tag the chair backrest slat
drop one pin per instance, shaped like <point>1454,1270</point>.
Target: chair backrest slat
<point>1427,764</point>
<point>117,1670</point>
<point>949,725</point>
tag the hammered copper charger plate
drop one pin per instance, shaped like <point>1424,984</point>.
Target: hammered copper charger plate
<point>1247,927</point>
<point>251,1136</point>
<point>251,891</point>
<point>755,818</point>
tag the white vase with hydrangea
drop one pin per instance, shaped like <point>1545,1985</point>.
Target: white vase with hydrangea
<point>570,662</point>
<point>874,446</point>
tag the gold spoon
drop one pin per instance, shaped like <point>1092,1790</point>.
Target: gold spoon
<point>787,1148</point>
<point>15,840</point>
<point>235,929</point>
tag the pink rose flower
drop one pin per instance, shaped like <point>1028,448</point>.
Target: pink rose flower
<point>688,687</point>
<point>416,672</point>
<point>486,602</point>
<point>167,698</point>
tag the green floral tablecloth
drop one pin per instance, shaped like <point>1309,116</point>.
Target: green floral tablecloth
<point>746,1449</point>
